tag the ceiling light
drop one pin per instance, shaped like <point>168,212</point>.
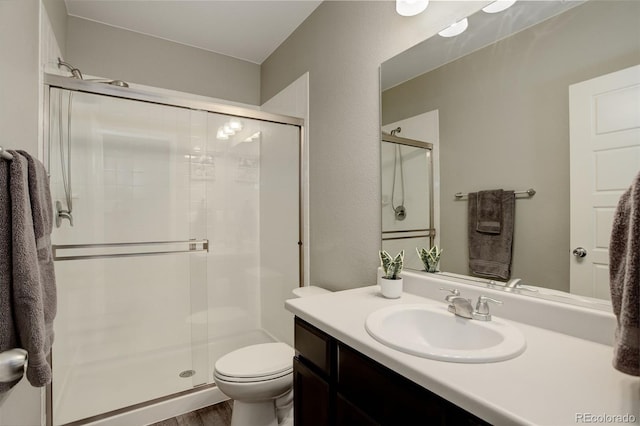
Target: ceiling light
<point>235,124</point>
<point>499,6</point>
<point>455,29</point>
<point>253,137</point>
<point>221,134</point>
<point>411,7</point>
<point>228,130</point>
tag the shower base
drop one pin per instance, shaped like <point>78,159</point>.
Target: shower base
<point>92,390</point>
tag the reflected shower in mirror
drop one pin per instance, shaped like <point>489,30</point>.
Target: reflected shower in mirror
<point>495,103</point>
<point>407,195</point>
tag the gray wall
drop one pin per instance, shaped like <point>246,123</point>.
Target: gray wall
<point>57,12</point>
<point>504,123</point>
<point>342,45</point>
<point>19,70</point>
<point>106,51</point>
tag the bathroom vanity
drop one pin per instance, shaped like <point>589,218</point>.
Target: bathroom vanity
<point>337,385</point>
<point>342,375</point>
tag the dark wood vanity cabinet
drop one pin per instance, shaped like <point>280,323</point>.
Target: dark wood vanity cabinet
<point>337,385</point>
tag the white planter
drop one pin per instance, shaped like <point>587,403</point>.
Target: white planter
<point>391,289</point>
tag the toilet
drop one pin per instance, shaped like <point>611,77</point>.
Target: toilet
<point>259,379</point>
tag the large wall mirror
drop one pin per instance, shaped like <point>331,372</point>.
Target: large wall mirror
<point>495,103</point>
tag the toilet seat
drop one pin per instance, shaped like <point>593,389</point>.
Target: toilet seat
<point>256,363</point>
<point>252,379</point>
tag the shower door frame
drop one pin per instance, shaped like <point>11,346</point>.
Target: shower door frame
<point>431,231</point>
<point>52,81</point>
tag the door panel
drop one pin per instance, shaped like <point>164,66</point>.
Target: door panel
<point>605,157</point>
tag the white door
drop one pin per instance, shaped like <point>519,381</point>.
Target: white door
<point>605,157</point>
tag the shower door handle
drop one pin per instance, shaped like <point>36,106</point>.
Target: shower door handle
<point>192,247</point>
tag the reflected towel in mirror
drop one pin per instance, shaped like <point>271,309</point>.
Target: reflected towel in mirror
<point>490,254</point>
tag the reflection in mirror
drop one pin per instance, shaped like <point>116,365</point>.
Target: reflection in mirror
<point>407,196</point>
<point>502,113</point>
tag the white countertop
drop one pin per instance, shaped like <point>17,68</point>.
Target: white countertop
<point>557,378</point>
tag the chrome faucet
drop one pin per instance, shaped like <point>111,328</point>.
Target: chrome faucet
<point>516,283</point>
<point>513,283</point>
<point>463,308</point>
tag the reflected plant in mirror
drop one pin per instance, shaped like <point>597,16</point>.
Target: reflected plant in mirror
<point>506,105</point>
<point>430,258</point>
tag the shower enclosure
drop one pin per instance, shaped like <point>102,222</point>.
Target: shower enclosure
<point>407,197</point>
<point>185,241</point>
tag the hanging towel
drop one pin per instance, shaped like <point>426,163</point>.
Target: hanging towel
<point>489,211</point>
<point>28,320</point>
<point>490,253</point>
<point>8,335</point>
<point>624,280</point>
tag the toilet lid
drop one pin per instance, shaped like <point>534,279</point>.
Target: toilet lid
<point>265,359</point>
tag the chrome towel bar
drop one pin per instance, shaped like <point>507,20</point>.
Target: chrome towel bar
<point>4,154</point>
<point>529,192</point>
<point>193,247</point>
<point>12,364</point>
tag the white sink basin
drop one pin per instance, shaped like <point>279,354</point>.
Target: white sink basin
<point>430,331</point>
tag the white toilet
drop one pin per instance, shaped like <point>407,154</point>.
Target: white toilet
<point>259,379</point>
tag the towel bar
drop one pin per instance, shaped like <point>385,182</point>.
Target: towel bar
<point>192,248</point>
<point>12,364</point>
<point>4,154</point>
<point>530,192</point>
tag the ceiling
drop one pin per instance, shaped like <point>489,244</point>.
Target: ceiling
<point>484,29</point>
<point>245,29</point>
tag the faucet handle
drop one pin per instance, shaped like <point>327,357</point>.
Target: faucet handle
<point>454,293</point>
<point>482,307</point>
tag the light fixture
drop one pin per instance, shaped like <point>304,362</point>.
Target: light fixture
<point>253,137</point>
<point>221,134</point>
<point>235,124</point>
<point>455,29</point>
<point>411,7</point>
<point>228,130</point>
<point>498,6</point>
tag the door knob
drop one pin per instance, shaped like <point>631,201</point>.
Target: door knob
<point>579,252</point>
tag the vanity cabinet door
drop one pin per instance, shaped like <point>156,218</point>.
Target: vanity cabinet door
<point>383,394</point>
<point>348,414</point>
<point>311,405</point>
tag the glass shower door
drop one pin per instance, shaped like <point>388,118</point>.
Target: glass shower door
<point>132,269</point>
<point>407,200</point>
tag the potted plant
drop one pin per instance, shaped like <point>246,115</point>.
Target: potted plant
<point>430,258</point>
<point>391,282</point>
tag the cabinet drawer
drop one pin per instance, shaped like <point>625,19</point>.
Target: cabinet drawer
<point>314,346</point>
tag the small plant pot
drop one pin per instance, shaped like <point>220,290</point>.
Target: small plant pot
<point>391,289</point>
<point>432,267</point>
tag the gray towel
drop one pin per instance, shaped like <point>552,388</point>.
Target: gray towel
<point>490,254</point>
<point>27,314</point>
<point>489,211</point>
<point>624,275</point>
<point>8,335</point>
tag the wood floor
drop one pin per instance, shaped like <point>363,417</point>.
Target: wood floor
<point>214,415</point>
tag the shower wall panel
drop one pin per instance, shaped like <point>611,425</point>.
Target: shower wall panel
<point>279,235</point>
